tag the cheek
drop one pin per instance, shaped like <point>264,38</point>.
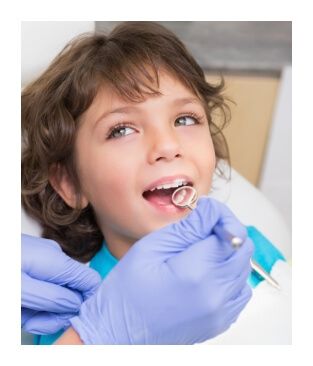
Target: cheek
<point>200,145</point>
<point>203,157</point>
<point>106,176</point>
<point>206,163</point>
<point>209,159</point>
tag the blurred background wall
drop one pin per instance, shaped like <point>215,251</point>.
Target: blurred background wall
<point>255,60</point>
<point>42,41</point>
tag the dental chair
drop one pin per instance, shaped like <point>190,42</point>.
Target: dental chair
<point>246,202</point>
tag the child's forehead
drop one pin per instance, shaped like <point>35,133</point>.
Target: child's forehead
<point>170,90</point>
<point>167,85</point>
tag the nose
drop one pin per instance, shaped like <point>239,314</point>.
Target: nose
<point>164,145</point>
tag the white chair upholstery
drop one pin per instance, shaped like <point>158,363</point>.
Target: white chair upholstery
<point>253,208</point>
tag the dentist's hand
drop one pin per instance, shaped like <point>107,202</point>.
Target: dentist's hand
<point>53,286</point>
<point>181,284</point>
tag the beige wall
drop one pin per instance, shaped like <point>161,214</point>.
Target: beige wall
<point>247,132</point>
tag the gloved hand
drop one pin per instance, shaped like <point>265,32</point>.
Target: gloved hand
<point>53,286</point>
<point>181,284</point>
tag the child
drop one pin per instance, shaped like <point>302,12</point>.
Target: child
<point>109,122</point>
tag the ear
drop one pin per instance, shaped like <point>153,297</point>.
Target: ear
<point>60,181</point>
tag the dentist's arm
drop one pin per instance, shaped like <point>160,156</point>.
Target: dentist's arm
<point>178,285</point>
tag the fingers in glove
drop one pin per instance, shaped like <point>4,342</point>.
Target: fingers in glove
<point>235,306</point>
<point>44,323</point>
<point>210,257</point>
<point>233,289</point>
<point>26,314</point>
<point>45,296</point>
<point>80,277</point>
<point>229,289</point>
<point>238,262</point>
<point>44,260</point>
<point>209,212</point>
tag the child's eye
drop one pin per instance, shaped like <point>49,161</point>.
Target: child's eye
<point>187,120</point>
<point>120,131</point>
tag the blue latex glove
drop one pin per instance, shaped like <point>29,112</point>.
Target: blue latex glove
<point>181,284</point>
<point>53,286</point>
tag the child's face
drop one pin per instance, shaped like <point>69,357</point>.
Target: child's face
<point>116,167</point>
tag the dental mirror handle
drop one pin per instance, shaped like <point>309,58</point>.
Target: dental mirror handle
<point>257,268</point>
<point>235,241</point>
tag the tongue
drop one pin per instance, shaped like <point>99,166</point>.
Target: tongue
<point>160,197</point>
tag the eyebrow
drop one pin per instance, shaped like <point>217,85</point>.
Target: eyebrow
<point>128,109</point>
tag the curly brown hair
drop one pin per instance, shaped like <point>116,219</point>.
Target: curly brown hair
<point>53,103</point>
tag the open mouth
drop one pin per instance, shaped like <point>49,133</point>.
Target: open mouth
<point>161,195</point>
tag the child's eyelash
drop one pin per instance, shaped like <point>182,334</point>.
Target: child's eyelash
<point>121,125</point>
<point>117,127</point>
<point>193,115</point>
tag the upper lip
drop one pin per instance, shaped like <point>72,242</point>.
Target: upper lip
<point>168,180</point>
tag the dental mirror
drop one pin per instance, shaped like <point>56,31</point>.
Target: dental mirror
<point>185,197</point>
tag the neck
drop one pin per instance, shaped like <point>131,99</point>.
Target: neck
<point>118,246</point>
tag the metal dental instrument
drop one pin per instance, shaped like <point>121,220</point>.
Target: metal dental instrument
<point>186,197</point>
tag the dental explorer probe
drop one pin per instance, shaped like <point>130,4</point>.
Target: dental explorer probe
<point>186,197</point>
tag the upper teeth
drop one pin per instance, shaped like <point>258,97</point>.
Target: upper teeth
<point>175,184</point>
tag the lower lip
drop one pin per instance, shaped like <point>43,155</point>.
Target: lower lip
<point>171,208</point>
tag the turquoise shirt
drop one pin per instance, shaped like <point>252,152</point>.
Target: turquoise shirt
<point>265,253</point>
